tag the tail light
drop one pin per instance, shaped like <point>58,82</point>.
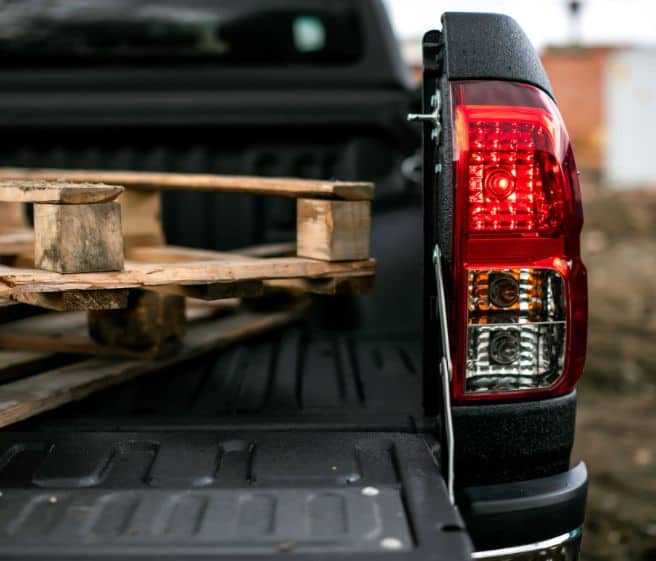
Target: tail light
<point>519,288</point>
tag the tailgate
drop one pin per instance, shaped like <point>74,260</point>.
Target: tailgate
<point>207,494</point>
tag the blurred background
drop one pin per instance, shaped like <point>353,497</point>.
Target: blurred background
<point>600,56</point>
<point>150,85</point>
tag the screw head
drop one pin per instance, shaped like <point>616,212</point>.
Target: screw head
<point>391,543</point>
<point>370,491</point>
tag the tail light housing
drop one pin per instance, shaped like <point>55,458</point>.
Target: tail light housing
<point>519,293</point>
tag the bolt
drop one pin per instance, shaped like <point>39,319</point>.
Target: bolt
<point>438,169</point>
<point>391,543</point>
<point>370,491</point>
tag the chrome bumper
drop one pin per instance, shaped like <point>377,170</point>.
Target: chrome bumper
<point>561,548</point>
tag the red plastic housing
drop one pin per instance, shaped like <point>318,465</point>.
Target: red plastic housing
<point>517,205</point>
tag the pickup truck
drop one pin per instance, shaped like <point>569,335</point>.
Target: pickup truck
<point>430,419</point>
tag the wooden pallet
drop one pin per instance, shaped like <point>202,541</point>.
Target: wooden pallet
<point>97,256</point>
<point>331,254</point>
<point>98,245</point>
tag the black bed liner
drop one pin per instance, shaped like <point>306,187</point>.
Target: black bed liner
<point>247,494</point>
<point>307,442</point>
<point>298,378</point>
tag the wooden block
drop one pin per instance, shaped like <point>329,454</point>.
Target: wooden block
<point>76,300</point>
<point>333,230</point>
<point>12,217</point>
<point>141,217</point>
<point>151,320</point>
<point>78,238</point>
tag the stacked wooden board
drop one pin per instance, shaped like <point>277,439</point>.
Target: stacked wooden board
<point>97,246</point>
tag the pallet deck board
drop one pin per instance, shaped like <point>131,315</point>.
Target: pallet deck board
<point>159,181</point>
<point>67,333</point>
<point>145,275</point>
<point>26,190</point>
<point>36,394</point>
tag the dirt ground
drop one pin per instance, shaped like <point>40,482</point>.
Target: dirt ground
<point>616,425</point>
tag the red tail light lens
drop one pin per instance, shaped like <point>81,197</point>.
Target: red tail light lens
<point>520,293</point>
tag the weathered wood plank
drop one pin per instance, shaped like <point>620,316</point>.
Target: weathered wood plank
<point>333,230</point>
<point>24,190</point>
<point>156,181</point>
<point>67,332</point>
<point>73,300</point>
<point>138,275</point>
<point>19,364</point>
<point>78,238</point>
<point>31,396</point>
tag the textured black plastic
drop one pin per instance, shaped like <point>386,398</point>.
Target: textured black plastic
<point>483,46</point>
<point>225,494</point>
<point>526,512</point>
<point>511,441</point>
<point>299,378</point>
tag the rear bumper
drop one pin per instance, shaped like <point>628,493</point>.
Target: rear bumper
<point>560,548</point>
<point>501,518</point>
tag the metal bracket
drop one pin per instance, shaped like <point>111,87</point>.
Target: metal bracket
<point>446,370</point>
<point>433,118</point>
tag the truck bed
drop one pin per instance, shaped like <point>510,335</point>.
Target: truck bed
<point>306,441</point>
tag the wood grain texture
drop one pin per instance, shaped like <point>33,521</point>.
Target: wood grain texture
<point>141,218</point>
<point>16,235</point>
<point>78,238</point>
<point>151,321</point>
<point>73,300</point>
<point>19,364</point>
<point>36,394</point>
<point>333,230</point>
<point>156,181</point>
<point>13,217</point>
<point>68,333</point>
<point>145,275</point>
<point>16,242</point>
<point>56,192</point>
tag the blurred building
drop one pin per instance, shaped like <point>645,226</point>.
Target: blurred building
<point>607,95</point>
<point>577,77</point>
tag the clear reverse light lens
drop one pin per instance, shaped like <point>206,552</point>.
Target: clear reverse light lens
<point>516,329</point>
